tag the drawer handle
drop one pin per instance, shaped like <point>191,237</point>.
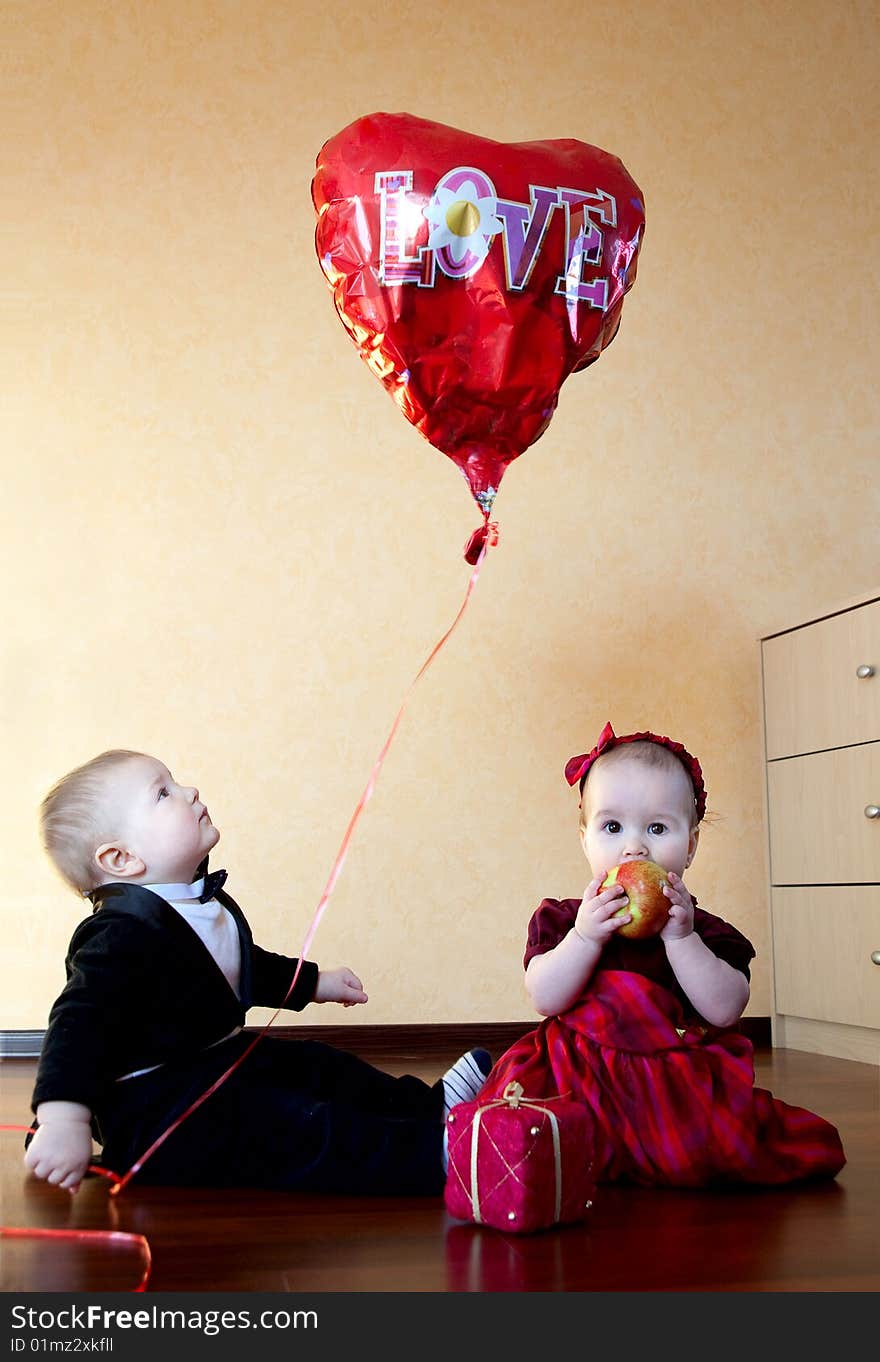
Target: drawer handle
<point>864,671</point>
<point>872,811</point>
<point>875,956</point>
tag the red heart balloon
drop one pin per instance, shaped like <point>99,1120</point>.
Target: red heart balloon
<point>474,276</point>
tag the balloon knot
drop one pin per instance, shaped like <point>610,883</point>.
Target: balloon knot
<point>474,546</point>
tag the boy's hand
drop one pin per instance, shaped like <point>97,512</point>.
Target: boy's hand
<point>339,986</point>
<point>595,920</point>
<point>61,1151</point>
<point>681,909</point>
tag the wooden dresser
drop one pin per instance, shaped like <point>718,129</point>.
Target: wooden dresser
<point>821,729</point>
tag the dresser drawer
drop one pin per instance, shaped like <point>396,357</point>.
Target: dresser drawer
<point>822,944</point>
<point>819,831</point>
<point>813,697</point>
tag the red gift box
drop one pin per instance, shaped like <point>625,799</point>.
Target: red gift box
<point>520,1163</point>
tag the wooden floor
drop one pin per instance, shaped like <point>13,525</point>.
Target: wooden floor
<point>823,1237</point>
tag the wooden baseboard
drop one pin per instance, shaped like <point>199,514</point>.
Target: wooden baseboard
<point>441,1037</point>
<point>20,1044</point>
<point>840,1041</point>
<point>400,1041</point>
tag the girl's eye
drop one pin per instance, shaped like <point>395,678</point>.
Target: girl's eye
<point>612,826</point>
<point>657,829</point>
<point>163,792</point>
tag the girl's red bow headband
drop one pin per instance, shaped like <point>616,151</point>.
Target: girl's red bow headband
<point>576,768</point>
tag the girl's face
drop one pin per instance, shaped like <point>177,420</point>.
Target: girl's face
<point>635,812</point>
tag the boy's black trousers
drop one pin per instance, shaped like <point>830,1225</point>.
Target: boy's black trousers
<point>296,1115</point>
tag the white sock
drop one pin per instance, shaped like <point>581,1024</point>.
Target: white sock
<point>465,1079</point>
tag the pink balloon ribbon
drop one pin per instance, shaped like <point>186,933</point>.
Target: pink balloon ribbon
<point>489,539</point>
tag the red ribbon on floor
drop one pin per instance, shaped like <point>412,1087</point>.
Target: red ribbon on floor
<point>106,1238</point>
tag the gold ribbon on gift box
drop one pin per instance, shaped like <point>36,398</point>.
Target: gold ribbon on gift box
<point>512,1097</point>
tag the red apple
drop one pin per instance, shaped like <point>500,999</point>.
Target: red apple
<point>648,905</point>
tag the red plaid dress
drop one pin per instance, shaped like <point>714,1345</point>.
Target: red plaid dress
<point>674,1106</point>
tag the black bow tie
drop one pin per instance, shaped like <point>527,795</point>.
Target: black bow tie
<point>214,880</point>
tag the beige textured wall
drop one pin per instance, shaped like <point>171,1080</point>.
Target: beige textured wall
<point>223,544</point>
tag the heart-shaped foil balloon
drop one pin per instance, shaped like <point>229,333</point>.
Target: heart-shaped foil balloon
<point>474,276</point>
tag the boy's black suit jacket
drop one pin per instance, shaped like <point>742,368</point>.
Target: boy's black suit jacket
<point>143,989</point>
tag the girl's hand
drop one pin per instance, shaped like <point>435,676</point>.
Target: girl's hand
<point>595,920</point>
<point>681,909</point>
<point>339,986</point>
<point>61,1152</point>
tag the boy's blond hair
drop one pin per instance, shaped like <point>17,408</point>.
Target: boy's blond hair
<point>648,754</point>
<point>75,818</point>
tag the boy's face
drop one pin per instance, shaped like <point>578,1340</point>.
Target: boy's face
<point>632,811</point>
<point>162,826</point>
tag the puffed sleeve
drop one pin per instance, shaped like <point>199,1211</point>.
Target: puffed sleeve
<point>724,940</point>
<point>551,921</point>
